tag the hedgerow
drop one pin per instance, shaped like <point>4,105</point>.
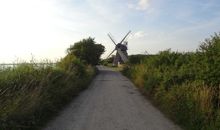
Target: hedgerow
<point>186,86</point>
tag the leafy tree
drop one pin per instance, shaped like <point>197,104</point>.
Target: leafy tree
<point>87,51</point>
<point>210,50</point>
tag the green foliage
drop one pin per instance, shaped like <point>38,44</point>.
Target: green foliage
<point>184,85</point>
<point>136,59</point>
<point>210,50</point>
<point>87,51</point>
<point>29,95</point>
<point>107,62</point>
<point>72,64</point>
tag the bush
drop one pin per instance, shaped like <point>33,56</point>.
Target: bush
<point>183,85</point>
<point>72,64</point>
<point>87,51</point>
<point>136,59</point>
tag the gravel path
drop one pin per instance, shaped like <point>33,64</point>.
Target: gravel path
<point>111,103</point>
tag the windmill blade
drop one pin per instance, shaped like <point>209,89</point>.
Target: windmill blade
<point>125,36</point>
<point>112,39</point>
<point>122,55</point>
<point>110,54</point>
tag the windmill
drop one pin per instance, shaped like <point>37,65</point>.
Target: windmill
<point>121,48</point>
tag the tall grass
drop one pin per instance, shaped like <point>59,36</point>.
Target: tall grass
<point>30,95</point>
<point>186,86</point>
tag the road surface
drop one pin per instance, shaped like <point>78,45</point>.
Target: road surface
<point>111,103</point>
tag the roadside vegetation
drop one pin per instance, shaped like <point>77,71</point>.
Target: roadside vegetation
<point>30,95</point>
<point>186,86</point>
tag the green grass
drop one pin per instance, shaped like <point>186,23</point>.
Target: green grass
<point>30,96</point>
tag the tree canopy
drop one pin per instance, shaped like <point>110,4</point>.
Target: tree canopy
<point>87,50</point>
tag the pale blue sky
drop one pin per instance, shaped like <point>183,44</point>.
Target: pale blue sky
<point>45,28</point>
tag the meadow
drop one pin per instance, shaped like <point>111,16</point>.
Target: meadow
<point>184,85</point>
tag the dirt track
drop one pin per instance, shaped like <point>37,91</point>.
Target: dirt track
<point>111,103</point>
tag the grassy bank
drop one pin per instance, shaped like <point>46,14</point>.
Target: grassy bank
<point>30,95</point>
<point>186,86</point>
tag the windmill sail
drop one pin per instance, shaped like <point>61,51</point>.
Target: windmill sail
<point>125,36</point>
<point>122,55</point>
<point>110,54</point>
<point>112,39</point>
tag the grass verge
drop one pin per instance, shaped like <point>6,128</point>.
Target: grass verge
<point>30,95</point>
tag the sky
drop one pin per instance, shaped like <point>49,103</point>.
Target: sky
<point>44,29</point>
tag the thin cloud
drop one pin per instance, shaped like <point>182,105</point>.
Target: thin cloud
<point>140,5</point>
<point>138,34</point>
<point>143,4</point>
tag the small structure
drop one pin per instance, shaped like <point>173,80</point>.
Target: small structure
<point>121,48</point>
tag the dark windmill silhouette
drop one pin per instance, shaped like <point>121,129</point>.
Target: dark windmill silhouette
<point>121,50</point>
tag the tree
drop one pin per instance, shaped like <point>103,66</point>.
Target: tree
<point>87,51</point>
<point>210,49</point>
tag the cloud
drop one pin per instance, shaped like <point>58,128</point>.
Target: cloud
<point>138,34</point>
<point>106,11</point>
<point>140,5</point>
<point>143,4</point>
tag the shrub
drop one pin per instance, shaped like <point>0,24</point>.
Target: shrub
<point>183,85</point>
<point>87,51</point>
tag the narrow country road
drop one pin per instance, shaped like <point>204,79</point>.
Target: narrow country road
<point>111,103</point>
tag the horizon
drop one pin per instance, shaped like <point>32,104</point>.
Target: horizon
<point>44,29</point>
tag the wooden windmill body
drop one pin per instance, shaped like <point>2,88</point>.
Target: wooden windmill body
<point>121,48</point>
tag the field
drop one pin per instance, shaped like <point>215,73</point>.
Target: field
<point>185,86</point>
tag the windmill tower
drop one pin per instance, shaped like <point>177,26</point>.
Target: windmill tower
<point>121,48</point>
